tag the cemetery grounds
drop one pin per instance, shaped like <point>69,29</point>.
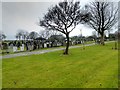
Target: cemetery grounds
<point>93,67</point>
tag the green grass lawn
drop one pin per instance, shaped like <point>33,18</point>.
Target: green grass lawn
<point>94,67</point>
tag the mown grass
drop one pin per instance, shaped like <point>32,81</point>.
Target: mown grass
<point>94,67</point>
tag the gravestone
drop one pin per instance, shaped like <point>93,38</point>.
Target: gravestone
<point>5,48</point>
<point>45,45</point>
<point>30,47</point>
<point>59,44</point>
<point>10,49</point>
<point>14,49</point>
<point>22,47</point>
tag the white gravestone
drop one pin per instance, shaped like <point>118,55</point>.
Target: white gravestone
<point>14,49</point>
<point>22,47</point>
<point>45,45</point>
<point>30,47</point>
<point>10,48</point>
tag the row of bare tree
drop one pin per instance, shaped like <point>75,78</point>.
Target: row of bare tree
<point>25,35</point>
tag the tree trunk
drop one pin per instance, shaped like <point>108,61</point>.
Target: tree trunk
<point>102,39</point>
<point>67,45</point>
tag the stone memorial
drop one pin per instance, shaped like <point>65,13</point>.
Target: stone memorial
<point>22,47</point>
<point>14,49</point>
<point>45,45</point>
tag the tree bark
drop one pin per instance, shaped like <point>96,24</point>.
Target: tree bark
<point>102,39</point>
<point>67,45</point>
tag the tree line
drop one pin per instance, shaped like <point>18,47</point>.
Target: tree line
<point>25,35</point>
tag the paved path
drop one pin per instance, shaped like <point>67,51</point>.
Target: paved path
<point>40,51</point>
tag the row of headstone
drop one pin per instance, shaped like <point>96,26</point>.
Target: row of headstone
<point>15,48</point>
<point>50,44</point>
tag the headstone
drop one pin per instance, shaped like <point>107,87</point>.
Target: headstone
<point>14,49</point>
<point>22,47</point>
<point>10,49</point>
<point>11,45</point>
<point>58,44</point>
<point>45,45</point>
<point>81,42</point>
<point>30,47</point>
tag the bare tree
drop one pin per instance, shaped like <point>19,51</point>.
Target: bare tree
<point>22,34</point>
<point>44,34</point>
<point>47,33</point>
<point>33,35</point>
<point>25,35</point>
<point>19,34</point>
<point>2,35</point>
<point>103,16</point>
<point>63,17</point>
<point>16,36</point>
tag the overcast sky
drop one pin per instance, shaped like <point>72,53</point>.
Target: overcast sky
<point>24,15</point>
